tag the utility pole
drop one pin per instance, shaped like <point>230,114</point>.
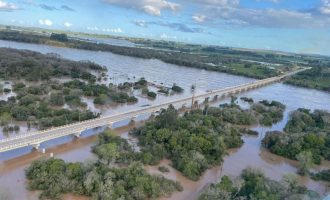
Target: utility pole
<point>193,97</point>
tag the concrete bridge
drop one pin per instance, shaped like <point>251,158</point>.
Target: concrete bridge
<point>34,139</point>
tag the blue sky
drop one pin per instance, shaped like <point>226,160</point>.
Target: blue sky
<point>301,26</point>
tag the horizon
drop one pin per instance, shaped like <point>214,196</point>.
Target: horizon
<point>276,25</point>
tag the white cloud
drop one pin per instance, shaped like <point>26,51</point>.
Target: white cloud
<point>164,36</point>
<point>67,24</point>
<point>151,7</point>
<point>283,18</point>
<point>140,23</point>
<point>114,30</point>
<point>110,30</point>
<point>325,8</point>
<point>199,18</point>
<point>4,6</point>
<point>45,22</point>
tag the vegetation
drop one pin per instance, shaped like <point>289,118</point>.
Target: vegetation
<point>40,97</point>
<point>246,99</point>
<point>305,160</point>
<point>269,112</point>
<point>224,60</point>
<point>7,128</point>
<point>253,184</point>
<point>100,180</point>
<point>306,134</point>
<point>59,37</point>
<point>323,175</point>
<point>152,94</point>
<point>32,66</point>
<point>163,169</point>
<point>317,77</point>
<point>196,141</point>
<point>177,88</point>
<point>101,93</point>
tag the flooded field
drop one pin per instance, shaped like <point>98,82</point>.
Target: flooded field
<point>251,154</point>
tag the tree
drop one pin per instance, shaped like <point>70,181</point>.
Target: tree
<point>101,100</point>
<point>59,37</point>
<point>305,160</point>
<point>145,90</point>
<point>152,95</point>
<point>108,152</point>
<point>5,118</point>
<point>290,181</point>
<point>56,99</point>
<point>177,88</point>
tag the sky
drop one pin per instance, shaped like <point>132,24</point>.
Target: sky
<point>299,26</point>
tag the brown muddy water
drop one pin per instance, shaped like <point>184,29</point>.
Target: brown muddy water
<point>251,154</point>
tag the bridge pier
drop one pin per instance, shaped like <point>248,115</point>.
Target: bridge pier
<point>77,135</point>
<point>206,101</point>
<point>133,120</point>
<point>184,107</point>
<point>35,146</point>
<point>152,115</point>
<point>195,104</point>
<point>110,125</point>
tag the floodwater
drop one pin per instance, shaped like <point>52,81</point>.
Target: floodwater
<point>251,154</point>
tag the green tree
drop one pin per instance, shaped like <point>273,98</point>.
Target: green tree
<point>56,99</point>
<point>108,152</point>
<point>305,160</point>
<point>5,118</point>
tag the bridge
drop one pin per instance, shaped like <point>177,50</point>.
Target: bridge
<point>34,139</point>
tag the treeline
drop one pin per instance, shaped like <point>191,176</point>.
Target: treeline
<point>306,138</point>
<point>111,177</point>
<point>232,65</point>
<point>253,184</point>
<point>317,77</point>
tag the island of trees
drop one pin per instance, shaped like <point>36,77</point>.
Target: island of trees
<point>306,138</point>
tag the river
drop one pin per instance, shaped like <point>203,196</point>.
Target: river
<point>123,68</point>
